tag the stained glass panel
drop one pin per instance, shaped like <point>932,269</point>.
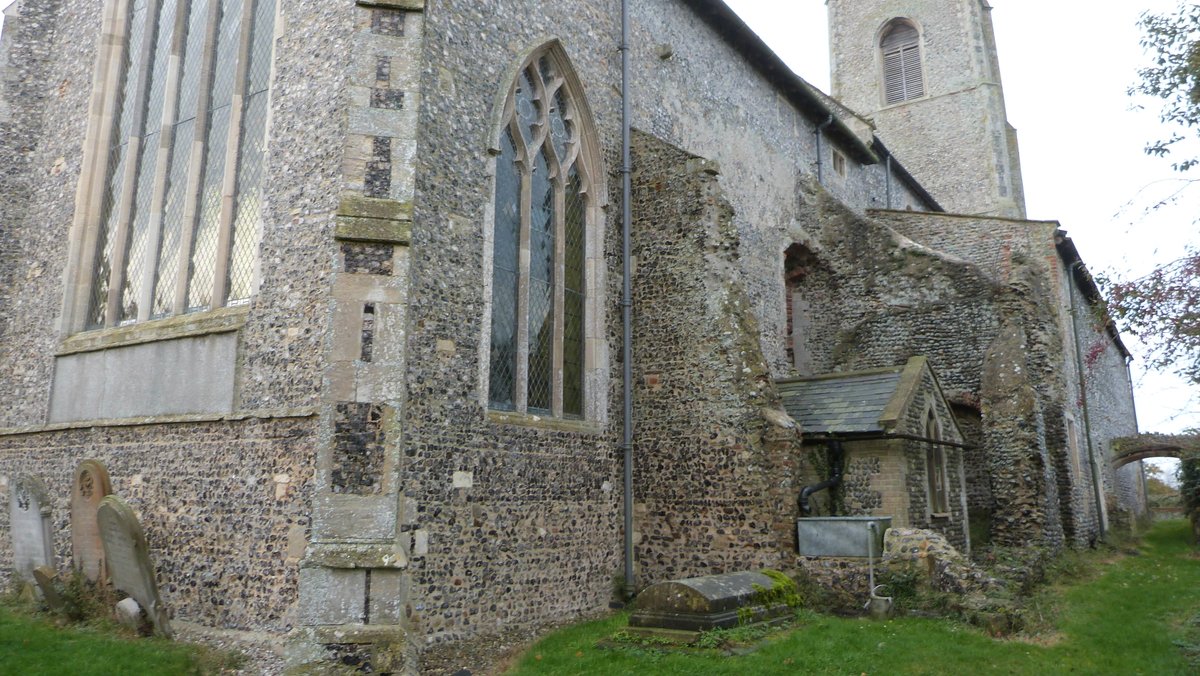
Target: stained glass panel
<point>506,236</point>
<point>526,106</point>
<point>541,286</point>
<point>574,280</point>
<point>204,245</point>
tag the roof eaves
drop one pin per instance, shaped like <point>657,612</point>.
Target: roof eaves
<point>730,26</point>
<point>1085,282</point>
<point>902,173</point>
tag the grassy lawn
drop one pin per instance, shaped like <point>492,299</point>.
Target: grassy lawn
<point>31,646</point>
<point>1139,615</point>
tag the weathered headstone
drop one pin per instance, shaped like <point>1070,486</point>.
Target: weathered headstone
<point>91,485</point>
<point>48,582</point>
<point>32,542</point>
<point>128,558</point>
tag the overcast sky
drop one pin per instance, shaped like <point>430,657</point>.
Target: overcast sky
<point>1066,67</point>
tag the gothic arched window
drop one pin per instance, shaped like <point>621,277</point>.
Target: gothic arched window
<point>902,76</point>
<point>544,211</point>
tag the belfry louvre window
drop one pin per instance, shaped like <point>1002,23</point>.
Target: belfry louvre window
<point>176,221</point>
<point>902,77</point>
<point>541,220</point>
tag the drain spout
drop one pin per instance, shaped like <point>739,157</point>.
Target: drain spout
<point>836,456</point>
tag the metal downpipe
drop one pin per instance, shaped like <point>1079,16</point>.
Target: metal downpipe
<point>626,302</point>
<point>817,133</point>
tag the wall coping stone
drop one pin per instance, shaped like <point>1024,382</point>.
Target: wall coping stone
<point>219,320</point>
<point>411,5</point>
<point>262,414</point>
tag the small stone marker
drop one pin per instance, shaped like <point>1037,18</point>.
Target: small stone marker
<point>91,485</point>
<point>128,558</point>
<point>29,510</point>
<point>47,581</point>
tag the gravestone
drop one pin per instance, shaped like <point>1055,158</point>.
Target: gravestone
<point>29,521</point>
<point>48,582</point>
<point>90,486</point>
<point>128,559</point>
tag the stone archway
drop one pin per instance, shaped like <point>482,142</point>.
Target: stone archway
<point>1145,446</point>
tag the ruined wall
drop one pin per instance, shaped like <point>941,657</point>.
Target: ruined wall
<point>715,485</point>
<point>1110,405</point>
<point>225,506</point>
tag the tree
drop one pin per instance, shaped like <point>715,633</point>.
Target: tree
<point>1163,307</point>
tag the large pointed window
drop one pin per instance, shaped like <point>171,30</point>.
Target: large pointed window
<point>903,79</point>
<point>543,214</point>
<point>174,220</point>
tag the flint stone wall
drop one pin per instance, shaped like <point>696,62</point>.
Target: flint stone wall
<point>225,506</point>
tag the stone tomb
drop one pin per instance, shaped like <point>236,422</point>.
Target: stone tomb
<point>128,558</point>
<point>90,486</point>
<point>29,521</point>
<point>683,607</point>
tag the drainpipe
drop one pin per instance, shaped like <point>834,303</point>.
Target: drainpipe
<point>817,132</point>
<point>836,458</point>
<point>626,302</point>
<point>1097,480</point>
<point>888,182</point>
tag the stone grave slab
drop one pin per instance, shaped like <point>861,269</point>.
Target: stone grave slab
<point>90,486</point>
<point>29,521</point>
<point>128,559</point>
<point>709,602</point>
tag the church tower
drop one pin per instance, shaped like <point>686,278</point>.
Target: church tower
<point>925,72</point>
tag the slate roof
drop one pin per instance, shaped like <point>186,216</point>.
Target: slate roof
<point>840,404</point>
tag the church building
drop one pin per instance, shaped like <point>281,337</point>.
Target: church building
<point>337,292</point>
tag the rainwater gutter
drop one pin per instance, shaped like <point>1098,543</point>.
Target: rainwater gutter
<point>1083,398</point>
<point>817,132</point>
<point>626,303</point>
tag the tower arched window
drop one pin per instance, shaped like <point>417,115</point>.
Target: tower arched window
<point>544,215</point>
<point>903,79</point>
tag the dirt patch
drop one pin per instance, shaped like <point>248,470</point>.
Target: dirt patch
<point>490,654</point>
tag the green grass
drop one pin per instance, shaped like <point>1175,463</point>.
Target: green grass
<point>32,645</point>
<point>1139,615</point>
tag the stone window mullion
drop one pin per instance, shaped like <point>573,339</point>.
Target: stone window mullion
<point>163,168</point>
<point>195,167</point>
<point>521,395</point>
<point>107,100</point>
<point>143,63</point>
<point>229,179</point>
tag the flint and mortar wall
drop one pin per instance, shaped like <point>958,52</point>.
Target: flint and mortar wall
<point>225,506</point>
<point>715,485</point>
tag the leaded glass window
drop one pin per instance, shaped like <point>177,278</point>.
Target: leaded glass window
<point>903,79</point>
<point>539,258</point>
<point>935,467</point>
<point>178,217</point>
